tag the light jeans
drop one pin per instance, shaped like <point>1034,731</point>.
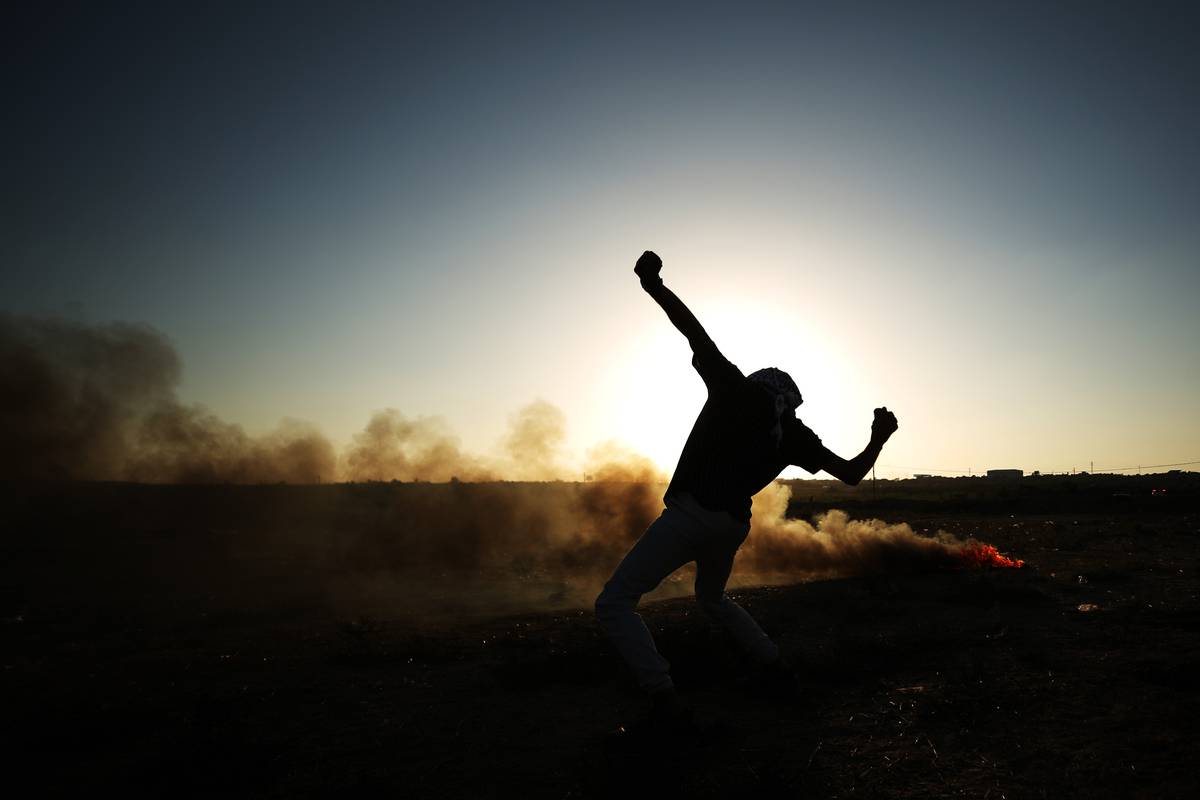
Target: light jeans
<point>685,531</point>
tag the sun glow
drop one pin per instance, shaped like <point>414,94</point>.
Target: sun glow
<point>656,394</point>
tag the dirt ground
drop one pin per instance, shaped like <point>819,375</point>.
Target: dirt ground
<point>1073,677</point>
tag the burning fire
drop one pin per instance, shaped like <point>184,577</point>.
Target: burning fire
<point>978,555</point>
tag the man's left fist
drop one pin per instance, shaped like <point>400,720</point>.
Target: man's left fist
<point>884,425</point>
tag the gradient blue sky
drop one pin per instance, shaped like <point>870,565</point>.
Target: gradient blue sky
<point>983,215</point>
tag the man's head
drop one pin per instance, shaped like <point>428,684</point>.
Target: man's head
<point>781,385</point>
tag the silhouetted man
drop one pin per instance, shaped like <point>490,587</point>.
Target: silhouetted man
<point>747,432</point>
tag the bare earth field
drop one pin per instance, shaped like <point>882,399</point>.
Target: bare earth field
<point>162,640</point>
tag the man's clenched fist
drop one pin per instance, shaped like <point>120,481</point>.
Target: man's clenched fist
<point>884,425</point>
<point>648,266</point>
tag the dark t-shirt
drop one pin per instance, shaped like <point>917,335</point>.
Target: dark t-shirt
<point>730,455</point>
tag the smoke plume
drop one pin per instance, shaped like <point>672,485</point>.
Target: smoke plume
<point>781,547</point>
<point>534,442</point>
<point>97,402</point>
<point>392,447</point>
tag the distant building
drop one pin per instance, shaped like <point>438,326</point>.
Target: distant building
<point>1005,474</point>
<point>922,475</point>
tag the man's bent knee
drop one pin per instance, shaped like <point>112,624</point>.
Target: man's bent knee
<point>612,603</point>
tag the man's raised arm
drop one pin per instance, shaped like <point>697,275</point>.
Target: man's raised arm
<point>854,470</point>
<point>684,320</point>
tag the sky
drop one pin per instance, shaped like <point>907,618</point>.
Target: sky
<point>981,215</point>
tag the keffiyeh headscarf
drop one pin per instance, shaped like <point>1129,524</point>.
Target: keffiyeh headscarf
<point>787,396</point>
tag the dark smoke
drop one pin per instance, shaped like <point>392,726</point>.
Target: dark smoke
<point>97,402</point>
<point>186,444</point>
<point>70,393</point>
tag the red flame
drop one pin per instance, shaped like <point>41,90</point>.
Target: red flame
<point>978,555</point>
